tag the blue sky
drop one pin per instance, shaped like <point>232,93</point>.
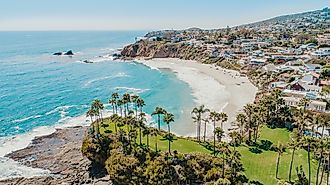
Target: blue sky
<point>142,14</point>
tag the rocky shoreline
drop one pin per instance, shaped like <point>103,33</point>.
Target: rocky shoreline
<point>60,154</point>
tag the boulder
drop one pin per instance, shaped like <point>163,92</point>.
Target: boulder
<point>58,53</point>
<point>69,53</point>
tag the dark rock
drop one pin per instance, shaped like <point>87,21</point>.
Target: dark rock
<point>68,53</point>
<point>87,61</point>
<point>60,154</point>
<point>58,54</point>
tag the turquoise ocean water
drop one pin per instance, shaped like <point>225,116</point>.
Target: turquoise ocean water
<point>40,90</point>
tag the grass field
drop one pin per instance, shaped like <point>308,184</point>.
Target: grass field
<point>259,164</point>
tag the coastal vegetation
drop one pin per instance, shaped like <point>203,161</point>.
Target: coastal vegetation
<point>270,143</point>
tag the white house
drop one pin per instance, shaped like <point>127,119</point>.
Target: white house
<point>321,53</point>
<point>313,68</point>
<point>313,105</point>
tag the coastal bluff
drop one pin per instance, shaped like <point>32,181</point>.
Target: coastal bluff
<point>163,49</point>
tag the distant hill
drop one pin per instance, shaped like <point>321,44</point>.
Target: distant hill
<point>306,17</point>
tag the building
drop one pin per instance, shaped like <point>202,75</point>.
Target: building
<point>313,105</point>
<point>258,61</point>
<point>313,68</point>
<point>278,85</point>
<point>321,53</point>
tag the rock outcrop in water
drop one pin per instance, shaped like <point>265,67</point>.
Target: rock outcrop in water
<point>68,53</point>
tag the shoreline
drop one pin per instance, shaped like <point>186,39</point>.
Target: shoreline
<point>225,95</point>
<point>58,153</point>
<point>217,88</point>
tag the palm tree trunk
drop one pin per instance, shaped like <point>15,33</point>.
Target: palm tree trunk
<point>318,168</point>
<point>277,165</point>
<point>198,131</point>
<point>147,140</point>
<point>156,144</point>
<point>116,126</point>
<point>204,130</point>
<point>309,164</point>
<point>322,173</point>
<point>136,112</point>
<point>328,169</point>
<point>214,137</point>
<point>158,121</point>
<point>223,165</point>
<point>322,131</point>
<point>169,142</point>
<point>140,136</point>
<point>101,116</point>
<point>291,163</point>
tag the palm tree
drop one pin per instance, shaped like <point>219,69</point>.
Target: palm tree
<point>235,138</point>
<point>241,121</point>
<point>158,111</point>
<point>224,150</point>
<point>316,119</point>
<point>140,103</point>
<point>146,132</point>
<point>113,103</point>
<point>323,123</point>
<point>321,145</point>
<point>279,149</point>
<point>126,100</point>
<point>134,99</point>
<point>308,142</point>
<point>120,103</point>
<point>90,113</point>
<point>168,118</point>
<point>223,118</point>
<point>115,96</point>
<point>206,121</point>
<point>198,116</point>
<point>214,117</point>
<point>219,133</point>
<point>170,138</point>
<point>294,145</point>
<point>140,125</point>
<point>301,119</point>
<point>249,110</point>
<point>97,105</point>
<point>234,162</point>
<point>154,132</point>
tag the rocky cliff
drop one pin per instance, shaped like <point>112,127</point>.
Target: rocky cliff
<point>150,49</point>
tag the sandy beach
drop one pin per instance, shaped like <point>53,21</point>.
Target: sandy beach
<point>218,89</point>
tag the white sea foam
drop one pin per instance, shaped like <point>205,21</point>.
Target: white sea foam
<point>131,89</point>
<point>118,75</point>
<point>10,168</point>
<point>25,119</point>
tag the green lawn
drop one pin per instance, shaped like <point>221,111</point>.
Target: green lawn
<point>262,167</point>
<point>258,166</point>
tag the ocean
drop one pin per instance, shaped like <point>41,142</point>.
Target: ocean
<point>39,91</point>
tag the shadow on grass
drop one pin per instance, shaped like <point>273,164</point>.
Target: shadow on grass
<point>254,182</point>
<point>265,145</point>
<point>208,146</point>
<point>255,150</point>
